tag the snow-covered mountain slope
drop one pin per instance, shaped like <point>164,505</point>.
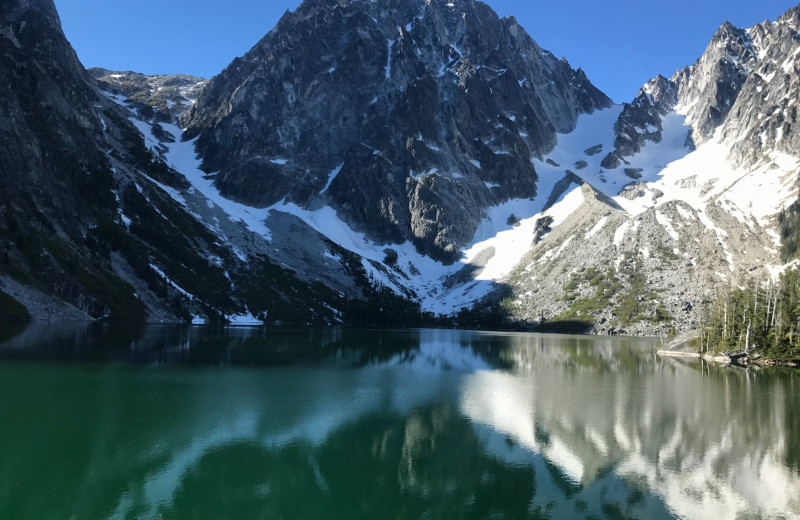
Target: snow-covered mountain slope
<point>312,241</point>
<point>662,244</point>
<point>89,226</point>
<point>640,213</point>
<point>701,165</point>
<point>468,169</point>
<point>745,88</point>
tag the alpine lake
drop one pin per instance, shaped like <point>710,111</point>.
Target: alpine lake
<point>107,421</point>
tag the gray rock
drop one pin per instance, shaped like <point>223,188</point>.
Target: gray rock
<point>640,121</point>
<point>88,226</point>
<point>163,98</point>
<point>743,84</point>
<point>403,96</point>
<point>594,150</point>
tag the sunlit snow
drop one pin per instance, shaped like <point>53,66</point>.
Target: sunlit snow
<point>503,237</point>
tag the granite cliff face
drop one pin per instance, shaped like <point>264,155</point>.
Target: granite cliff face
<point>764,116</point>
<point>640,121</point>
<point>88,228</point>
<point>55,180</point>
<point>409,118</point>
<point>47,100</point>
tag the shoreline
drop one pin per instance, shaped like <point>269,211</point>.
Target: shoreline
<point>718,358</point>
<point>727,360</point>
<point>679,347</point>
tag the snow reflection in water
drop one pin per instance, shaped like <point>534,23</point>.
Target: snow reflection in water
<point>419,422</point>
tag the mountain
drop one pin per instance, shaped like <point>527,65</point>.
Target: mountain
<point>88,227</point>
<point>409,118</point>
<point>742,86</point>
<point>55,180</point>
<point>381,162</point>
<point>703,167</point>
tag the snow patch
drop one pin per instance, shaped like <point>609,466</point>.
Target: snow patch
<point>244,320</point>
<point>170,282</point>
<point>619,234</point>
<point>147,133</point>
<point>389,45</point>
<point>667,225</point>
<point>331,177</point>
<point>512,244</point>
<point>687,215</point>
<point>597,227</point>
<point>182,157</point>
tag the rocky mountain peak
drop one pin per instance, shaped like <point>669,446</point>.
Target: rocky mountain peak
<point>33,28</point>
<point>16,9</point>
<point>409,118</point>
<point>641,121</point>
<point>163,98</point>
<point>727,34</point>
<point>712,84</point>
<point>662,91</point>
<point>43,84</point>
<point>791,17</point>
<point>736,62</point>
<point>88,226</point>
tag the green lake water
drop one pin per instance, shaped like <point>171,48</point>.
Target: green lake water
<point>107,422</point>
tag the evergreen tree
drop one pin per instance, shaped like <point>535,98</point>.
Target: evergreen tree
<point>758,317</point>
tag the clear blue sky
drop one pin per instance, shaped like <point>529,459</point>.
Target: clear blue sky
<point>619,43</point>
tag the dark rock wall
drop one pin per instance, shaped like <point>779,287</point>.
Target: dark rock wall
<point>396,93</point>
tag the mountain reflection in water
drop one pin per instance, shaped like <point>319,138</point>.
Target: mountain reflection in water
<point>177,422</point>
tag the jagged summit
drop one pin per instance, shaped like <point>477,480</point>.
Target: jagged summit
<point>705,165</point>
<point>744,79</point>
<point>162,97</point>
<point>791,17</point>
<point>409,118</point>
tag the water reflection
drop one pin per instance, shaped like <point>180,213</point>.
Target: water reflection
<point>373,424</point>
<point>713,442</point>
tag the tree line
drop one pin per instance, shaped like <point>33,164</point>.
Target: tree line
<point>759,317</point>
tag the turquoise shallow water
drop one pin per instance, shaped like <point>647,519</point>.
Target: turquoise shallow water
<point>182,423</point>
